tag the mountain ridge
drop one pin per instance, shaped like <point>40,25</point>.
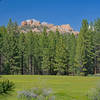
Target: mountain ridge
<point>37,26</point>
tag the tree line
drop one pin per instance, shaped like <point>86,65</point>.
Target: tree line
<point>50,53</point>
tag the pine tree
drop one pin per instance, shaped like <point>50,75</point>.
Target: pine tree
<point>52,51</point>
<point>31,53</point>
<point>22,52</point>
<point>6,54</point>
<point>80,60</point>
<point>97,44</point>
<point>38,53</point>
<point>45,52</point>
<point>85,51</point>
<point>72,48</point>
<point>89,52</point>
<point>2,34</point>
<point>10,26</point>
<point>60,57</point>
<point>12,44</point>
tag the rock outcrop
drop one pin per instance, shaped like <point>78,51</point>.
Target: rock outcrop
<point>23,23</point>
<point>67,27</point>
<point>36,26</point>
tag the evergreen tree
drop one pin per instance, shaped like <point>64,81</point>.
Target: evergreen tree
<point>80,60</point>
<point>97,44</point>
<point>50,52</point>
<point>22,53</point>
<point>10,26</point>
<point>12,55</point>
<point>31,55</point>
<point>89,53</point>
<point>38,53</point>
<point>72,48</point>
<point>2,34</point>
<point>85,50</point>
<point>45,52</point>
<point>60,57</point>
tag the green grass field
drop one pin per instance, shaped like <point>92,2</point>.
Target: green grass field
<point>64,87</point>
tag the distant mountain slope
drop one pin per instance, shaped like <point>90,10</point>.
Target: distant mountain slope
<point>37,26</point>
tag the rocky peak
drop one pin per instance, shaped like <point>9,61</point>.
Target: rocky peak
<point>37,26</point>
<point>67,26</point>
<point>23,23</point>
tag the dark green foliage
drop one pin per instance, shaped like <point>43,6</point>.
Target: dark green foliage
<point>22,52</point>
<point>72,48</point>
<point>60,56</point>
<point>84,58</point>
<point>50,52</point>
<point>6,86</point>
<point>97,43</point>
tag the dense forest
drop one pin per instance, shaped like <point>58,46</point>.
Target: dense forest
<point>50,53</point>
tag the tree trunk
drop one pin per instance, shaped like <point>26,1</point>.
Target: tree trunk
<point>0,63</point>
<point>67,70</point>
<point>31,65</point>
<point>95,71</point>
<point>22,65</point>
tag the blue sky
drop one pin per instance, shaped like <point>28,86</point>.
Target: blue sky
<point>52,11</point>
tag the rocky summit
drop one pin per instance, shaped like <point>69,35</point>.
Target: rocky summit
<point>37,26</point>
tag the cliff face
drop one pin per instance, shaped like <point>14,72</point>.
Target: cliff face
<point>37,26</point>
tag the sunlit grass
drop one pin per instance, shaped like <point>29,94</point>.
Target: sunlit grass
<point>64,87</point>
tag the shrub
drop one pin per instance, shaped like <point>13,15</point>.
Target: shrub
<point>6,86</point>
<point>36,94</point>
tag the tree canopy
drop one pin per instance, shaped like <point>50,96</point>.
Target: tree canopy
<point>50,53</point>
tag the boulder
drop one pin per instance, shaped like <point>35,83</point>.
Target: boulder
<point>67,26</point>
<point>23,23</point>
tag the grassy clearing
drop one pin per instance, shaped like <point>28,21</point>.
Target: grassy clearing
<point>64,87</point>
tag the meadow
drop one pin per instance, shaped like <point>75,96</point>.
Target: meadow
<point>64,87</point>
